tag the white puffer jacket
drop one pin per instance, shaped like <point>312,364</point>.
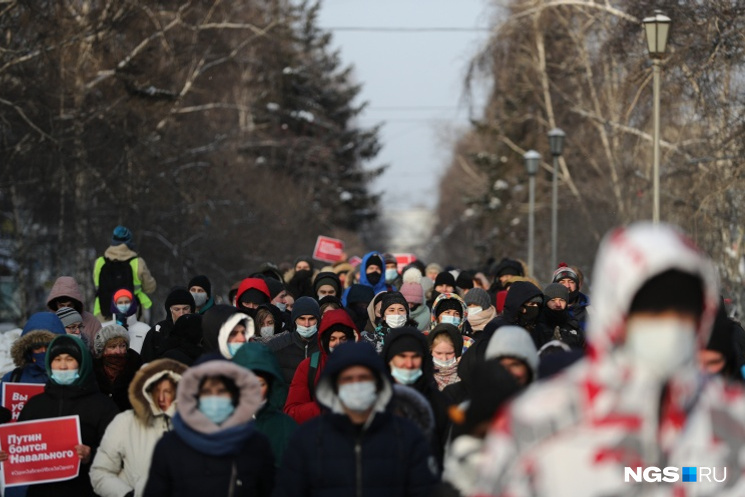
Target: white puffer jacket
<point>123,459</point>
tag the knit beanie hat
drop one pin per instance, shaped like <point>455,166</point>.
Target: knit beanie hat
<point>375,260</point>
<point>565,271</point>
<point>179,296</point>
<point>122,235</point>
<point>507,267</point>
<point>405,343</point>
<point>556,291</point>
<point>107,333</point>
<point>360,294</point>
<point>122,292</point>
<point>305,306</point>
<point>203,282</point>
<point>275,287</point>
<point>390,298</point>
<point>327,278</point>
<point>413,293</point>
<point>69,316</point>
<point>448,304</point>
<point>445,278</point>
<point>389,258</point>
<point>479,297</point>
<point>61,346</point>
<point>253,296</point>
<point>464,280</point>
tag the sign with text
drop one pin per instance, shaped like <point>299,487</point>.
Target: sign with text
<point>404,260</point>
<point>328,249</point>
<point>355,261</point>
<point>40,451</point>
<point>15,396</point>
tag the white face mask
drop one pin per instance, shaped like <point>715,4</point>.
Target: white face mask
<point>472,311</point>
<point>660,345</point>
<point>359,396</point>
<point>266,331</point>
<point>444,364</point>
<point>200,298</point>
<point>281,306</point>
<point>306,331</point>
<point>395,320</point>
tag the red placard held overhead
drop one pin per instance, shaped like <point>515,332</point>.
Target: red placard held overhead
<point>328,249</point>
<point>40,451</point>
<point>15,396</point>
<point>403,260</point>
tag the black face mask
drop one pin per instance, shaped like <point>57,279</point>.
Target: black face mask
<point>414,308</point>
<point>556,317</point>
<point>373,278</point>
<point>529,316</point>
<point>248,311</point>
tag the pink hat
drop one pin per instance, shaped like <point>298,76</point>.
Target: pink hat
<point>413,293</point>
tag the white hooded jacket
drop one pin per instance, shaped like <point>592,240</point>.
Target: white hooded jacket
<point>574,435</point>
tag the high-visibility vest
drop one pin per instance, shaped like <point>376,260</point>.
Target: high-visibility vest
<point>142,297</point>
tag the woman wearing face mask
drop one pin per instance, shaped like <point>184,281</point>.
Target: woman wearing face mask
<point>336,328</point>
<point>269,323</point>
<point>124,311</point>
<point>71,390</point>
<point>394,314</point>
<point>214,448</point>
<point>449,308</point>
<point>200,288</point>
<point>184,344</point>
<point>225,329</point>
<point>446,346</point>
<point>123,458</point>
<point>480,309</point>
<point>269,420</point>
<point>115,364</point>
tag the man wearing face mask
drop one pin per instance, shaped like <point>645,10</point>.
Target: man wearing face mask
<point>577,303</point>
<point>252,293</point>
<point>301,342</point>
<point>392,278</point>
<point>394,313</point>
<point>201,289</point>
<point>637,400</point>
<point>554,322</point>
<point>371,272</point>
<point>336,328</point>
<point>409,360</point>
<point>359,440</point>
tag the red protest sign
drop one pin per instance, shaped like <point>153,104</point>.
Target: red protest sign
<point>355,261</point>
<point>328,249</point>
<point>403,260</point>
<point>15,396</point>
<point>40,451</point>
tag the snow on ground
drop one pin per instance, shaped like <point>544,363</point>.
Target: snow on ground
<point>6,340</point>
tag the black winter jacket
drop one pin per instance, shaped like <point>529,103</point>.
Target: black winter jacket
<point>291,349</point>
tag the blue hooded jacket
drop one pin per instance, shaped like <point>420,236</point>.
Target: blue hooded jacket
<point>39,330</point>
<point>380,286</point>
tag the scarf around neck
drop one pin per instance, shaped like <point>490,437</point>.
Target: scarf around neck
<point>219,443</point>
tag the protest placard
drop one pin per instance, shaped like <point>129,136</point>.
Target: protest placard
<point>40,451</point>
<point>15,396</point>
<point>328,249</point>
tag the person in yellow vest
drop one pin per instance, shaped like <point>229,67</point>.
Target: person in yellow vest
<point>109,275</point>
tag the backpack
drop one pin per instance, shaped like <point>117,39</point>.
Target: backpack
<point>114,275</point>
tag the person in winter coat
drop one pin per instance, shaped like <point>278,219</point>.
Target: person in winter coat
<point>554,322</point>
<point>123,459</point>
<point>29,350</point>
<point>637,400</point>
<point>371,272</point>
<point>413,292</point>
<point>178,303</point>
<point>292,347</point>
<point>225,329</point>
<point>115,364</point>
<point>406,352</point>
<point>721,355</point>
<point>71,390</point>
<point>356,299</point>
<point>268,321</point>
<point>516,352</point>
<point>578,303</point>
<point>124,310</point>
<point>522,307</point>
<point>73,323</point>
<point>184,344</point>
<point>252,293</point>
<point>326,283</point>
<point>446,347</point>
<point>200,288</point>
<point>449,308</point>
<point>336,328</point>
<point>122,249</point>
<point>394,313</point>
<point>66,293</point>
<point>480,309</point>
<point>214,447</point>
<point>269,420</point>
<point>357,446</point>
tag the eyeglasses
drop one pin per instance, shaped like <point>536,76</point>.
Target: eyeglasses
<point>75,329</point>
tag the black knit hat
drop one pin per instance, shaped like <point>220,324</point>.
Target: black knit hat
<point>556,291</point>
<point>360,293</point>
<point>445,278</point>
<point>306,306</point>
<point>670,290</point>
<point>62,346</point>
<point>179,296</point>
<point>327,278</point>
<point>202,281</point>
<point>390,298</point>
<point>448,304</point>
<point>275,287</point>
<point>405,343</point>
<point>465,280</point>
<point>375,260</point>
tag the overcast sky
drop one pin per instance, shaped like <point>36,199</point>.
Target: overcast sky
<point>413,82</point>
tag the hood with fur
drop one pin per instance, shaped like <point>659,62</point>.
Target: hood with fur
<point>144,407</point>
<point>40,329</point>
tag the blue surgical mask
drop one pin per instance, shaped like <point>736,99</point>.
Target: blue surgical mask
<point>359,396</point>
<point>390,275</point>
<point>217,408</point>
<point>234,346</point>
<point>306,331</point>
<point>65,377</point>
<point>281,306</point>
<point>123,308</point>
<point>406,376</point>
<point>454,320</point>
<point>39,358</point>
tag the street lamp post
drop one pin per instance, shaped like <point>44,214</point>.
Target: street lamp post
<point>532,161</point>
<point>657,28</point>
<point>556,144</point>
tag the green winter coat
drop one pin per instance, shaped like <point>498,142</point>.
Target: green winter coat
<point>269,420</point>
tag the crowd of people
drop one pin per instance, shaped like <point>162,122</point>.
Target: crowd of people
<point>374,380</point>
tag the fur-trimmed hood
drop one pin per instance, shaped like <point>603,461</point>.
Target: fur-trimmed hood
<point>187,400</point>
<point>40,329</point>
<point>144,407</point>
